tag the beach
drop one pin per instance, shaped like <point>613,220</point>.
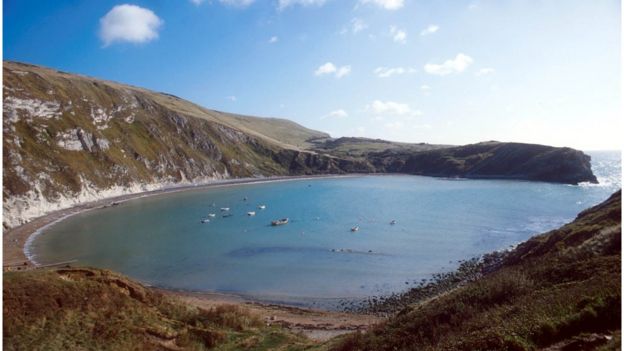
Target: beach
<point>316,324</point>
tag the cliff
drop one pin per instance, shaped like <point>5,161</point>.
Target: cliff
<point>492,160</point>
<point>70,139</point>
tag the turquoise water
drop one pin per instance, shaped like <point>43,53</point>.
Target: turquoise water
<point>160,240</point>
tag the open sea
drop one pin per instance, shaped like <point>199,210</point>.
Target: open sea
<point>316,257</point>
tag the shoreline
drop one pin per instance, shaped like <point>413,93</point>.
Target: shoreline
<point>16,240</point>
<point>317,324</point>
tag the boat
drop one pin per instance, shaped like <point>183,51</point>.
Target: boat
<point>393,222</point>
<point>206,220</point>
<point>280,222</point>
<point>355,229</point>
<point>224,209</point>
<point>227,215</point>
<point>251,213</point>
<point>211,215</point>
<point>262,207</point>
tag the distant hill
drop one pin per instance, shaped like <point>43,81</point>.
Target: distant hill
<point>557,291</point>
<point>70,139</point>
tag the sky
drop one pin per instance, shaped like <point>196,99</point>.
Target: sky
<point>446,72</point>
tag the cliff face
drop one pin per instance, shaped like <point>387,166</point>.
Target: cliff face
<point>70,139</point>
<point>492,160</point>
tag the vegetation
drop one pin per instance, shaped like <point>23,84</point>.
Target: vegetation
<point>72,309</point>
<point>65,133</point>
<point>560,290</point>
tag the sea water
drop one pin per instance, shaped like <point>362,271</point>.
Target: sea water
<point>161,241</point>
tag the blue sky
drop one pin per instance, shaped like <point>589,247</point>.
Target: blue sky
<point>451,72</point>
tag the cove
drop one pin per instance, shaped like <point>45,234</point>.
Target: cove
<point>161,241</point>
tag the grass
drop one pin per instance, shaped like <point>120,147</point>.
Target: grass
<point>561,288</point>
<point>70,309</point>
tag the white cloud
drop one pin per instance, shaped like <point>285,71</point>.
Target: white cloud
<point>432,28</point>
<point>358,25</point>
<point>340,113</point>
<point>231,98</point>
<point>343,71</point>
<point>456,65</point>
<point>330,68</point>
<point>282,4</point>
<point>398,35</point>
<point>273,40</point>
<point>385,72</point>
<point>236,3</point>
<point>325,69</point>
<point>379,107</point>
<point>385,4</point>
<point>425,89</point>
<point>484,71</point>
<point>129,23</point>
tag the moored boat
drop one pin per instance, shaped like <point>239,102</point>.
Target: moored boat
<point>225,209</point>
<point>251,213</point>
<point>280,222</point>
<point>262,207</point>
<point>355,229</point>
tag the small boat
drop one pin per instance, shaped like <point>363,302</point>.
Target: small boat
<point>206,220</point>
<point>280,222</point>
<point>393,222</point>
<point>227,215</point>
<point>212,215</point>
<point>225,209</point>
<point>251,213</point>
<point>262,207</point>
<point>245,198</point>
<point>355,229</point>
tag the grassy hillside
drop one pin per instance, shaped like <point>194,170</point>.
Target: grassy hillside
<point>493,160</point>
<point>557,291</point>
<point>90,309</point>
<point>70,139</point>
<point>361,147</point>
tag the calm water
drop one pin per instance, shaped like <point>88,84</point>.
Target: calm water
<point>160,240</point>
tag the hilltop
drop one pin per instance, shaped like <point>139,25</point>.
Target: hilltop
<point>70,139</point>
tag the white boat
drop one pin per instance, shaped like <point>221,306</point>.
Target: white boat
<point>280,222</point>
<point>393,222</point>
<point>224,209</point>
<point>205,220</point>
<point>355,229</point>
<point>251,213</point>
<point>212,215</point>
<point>262,207</point>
